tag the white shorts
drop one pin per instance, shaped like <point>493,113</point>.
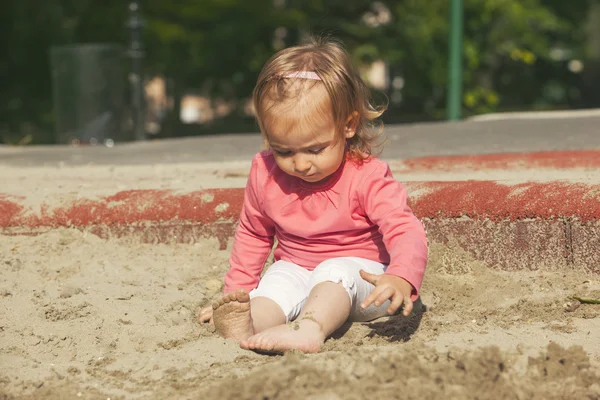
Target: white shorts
<point>288,285</point>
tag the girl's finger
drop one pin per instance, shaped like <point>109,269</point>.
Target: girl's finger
<point>371,278</point>
<point>205,314</point>
<point>408,306</point>
<point>384,296</point>
<point>206,310</point>
<point>371,297</point>
<point>397,301</point>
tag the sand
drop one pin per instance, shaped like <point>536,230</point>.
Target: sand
<point>84,317</point>
<point>62,184</point>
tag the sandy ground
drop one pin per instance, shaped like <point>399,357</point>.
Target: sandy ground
<point>62,184</point>
<point>84,317</point>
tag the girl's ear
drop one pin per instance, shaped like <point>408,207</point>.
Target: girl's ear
<point>351,125</point>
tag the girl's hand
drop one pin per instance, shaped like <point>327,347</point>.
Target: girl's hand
<point>206,315</point>
<point>388,287</point>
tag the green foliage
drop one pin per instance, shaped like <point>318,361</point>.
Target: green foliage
<point>503,39</point>
<point>29,29</point>
<point>217,47</point>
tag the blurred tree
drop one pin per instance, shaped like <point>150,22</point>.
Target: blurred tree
<point>215,47</point>
<point>28,29</point>
<point>505,43</point>
<point>516,54</point>
<point>508,49</point>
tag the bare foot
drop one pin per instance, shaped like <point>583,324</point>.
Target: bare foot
<point>232,317</point>
<point>304,335</point>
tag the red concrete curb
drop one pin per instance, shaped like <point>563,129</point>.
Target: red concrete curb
<point>511,226</point>
<point>474,199</point>
<point>131,207</point>
<point>585,159</point>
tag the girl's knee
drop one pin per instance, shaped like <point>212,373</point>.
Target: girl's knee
<point>336,270</point>
<point>287,285</point>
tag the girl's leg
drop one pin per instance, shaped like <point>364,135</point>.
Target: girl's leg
<point>336,290</point>
<point>325,310</point>
<point>277,299</point>
<point>237,317</point>
<point>359,292</point>
<point>265,314</point>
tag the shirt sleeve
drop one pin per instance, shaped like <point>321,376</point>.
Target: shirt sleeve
<point>385,202</point>
<point>253,239</point>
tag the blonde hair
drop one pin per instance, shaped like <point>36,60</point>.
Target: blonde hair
<point>348,94</point>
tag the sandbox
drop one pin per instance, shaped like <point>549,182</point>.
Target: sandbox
<point>93,318</point>
<point>99,293</point>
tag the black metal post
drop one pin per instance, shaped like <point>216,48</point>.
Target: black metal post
<point>136,53</point>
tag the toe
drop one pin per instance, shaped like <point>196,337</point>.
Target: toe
<point>264,343</point>
<point>254,341</point>
<point>229,297</point>
<point>268,344</point>
<point>250,342</point>
<point>241,296</point>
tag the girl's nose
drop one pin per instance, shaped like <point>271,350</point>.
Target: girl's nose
<point>301,163</point>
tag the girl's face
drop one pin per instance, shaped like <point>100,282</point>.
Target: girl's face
<point>303,138</point>
<point>309,155</point>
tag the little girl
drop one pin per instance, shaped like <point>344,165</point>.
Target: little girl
<point>348,245</point>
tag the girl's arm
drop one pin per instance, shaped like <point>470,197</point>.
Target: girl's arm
<point>253,238</point>
<point>385,202</point>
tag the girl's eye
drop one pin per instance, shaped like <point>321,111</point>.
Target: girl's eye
<point>319,151</point>
<point>283,153</point>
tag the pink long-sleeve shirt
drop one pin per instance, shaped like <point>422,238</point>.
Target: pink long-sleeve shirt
<point>360,211</point>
